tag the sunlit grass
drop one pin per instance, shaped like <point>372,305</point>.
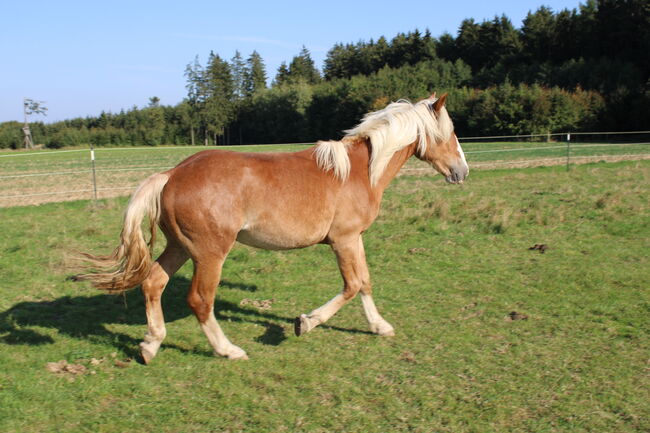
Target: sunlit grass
<point>450,264</point>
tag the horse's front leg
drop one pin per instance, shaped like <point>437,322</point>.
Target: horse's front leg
<point>352,264</point>
<point>377,324</point>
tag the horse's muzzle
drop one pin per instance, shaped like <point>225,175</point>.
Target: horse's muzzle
<point>457,174</point>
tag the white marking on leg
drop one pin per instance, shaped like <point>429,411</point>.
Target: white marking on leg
<point>377,323</point>
<point>156,331</point>
<point>220,343</point>
<point>322,314</point>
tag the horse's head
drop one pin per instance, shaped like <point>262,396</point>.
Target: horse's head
<point>445,155</point>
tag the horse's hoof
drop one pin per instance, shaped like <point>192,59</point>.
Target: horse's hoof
<point>304,323</point>
<point>237,354</point>
<point>243,357</point>
<point>297,326</point>
<point>383,329</point>
<point>147,356</point>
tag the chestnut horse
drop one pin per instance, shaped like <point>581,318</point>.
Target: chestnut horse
<point>328,194</point>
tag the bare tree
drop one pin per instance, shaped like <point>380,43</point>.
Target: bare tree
<point>31,107</point>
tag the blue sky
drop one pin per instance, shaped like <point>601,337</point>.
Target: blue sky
<point>82,57</point>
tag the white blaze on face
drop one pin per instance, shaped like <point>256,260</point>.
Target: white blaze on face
<point>459,169</point>
<point>460,151</point>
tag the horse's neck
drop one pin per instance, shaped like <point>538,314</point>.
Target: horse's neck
<point>394,166</point>
<point>359,153</point>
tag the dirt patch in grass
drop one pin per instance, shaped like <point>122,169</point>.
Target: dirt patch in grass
<point>63,368</point>
<point>260,304</point>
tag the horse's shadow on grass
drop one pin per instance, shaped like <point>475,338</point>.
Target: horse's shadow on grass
<point>86,317</point>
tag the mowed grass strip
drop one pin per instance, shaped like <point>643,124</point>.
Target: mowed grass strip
<point>492,336</point>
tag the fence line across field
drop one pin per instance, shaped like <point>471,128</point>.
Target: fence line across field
<point>54,173</point>
<point>132,187</point>
<point>76,191</point>
<point>552,134</point>
<point>166,147</point>
<point>462,139</point>
<point>563,146</point>
<point>566,146</point>
<point>640,143</point>
<point>108,149</point>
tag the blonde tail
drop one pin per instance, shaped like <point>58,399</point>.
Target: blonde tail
<point>131,261</point>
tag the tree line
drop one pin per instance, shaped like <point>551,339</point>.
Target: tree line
<point>575,70</point>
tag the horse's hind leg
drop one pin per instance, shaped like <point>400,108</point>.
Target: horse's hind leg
<point>207,273</point>
<point>152,287</point>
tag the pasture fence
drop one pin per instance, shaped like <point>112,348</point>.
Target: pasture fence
<point>43,176</point>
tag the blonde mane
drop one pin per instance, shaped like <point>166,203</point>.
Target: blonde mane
<point>389,130</point>
<point>333,155</point>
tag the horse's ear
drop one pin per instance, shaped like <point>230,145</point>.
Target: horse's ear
<point>440,102</point>
<point>433,96</point>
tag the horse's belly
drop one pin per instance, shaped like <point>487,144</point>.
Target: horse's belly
<point>287,217</point>
<point>279,239</point>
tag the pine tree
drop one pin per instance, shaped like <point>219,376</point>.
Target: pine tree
<point>300,69</point>
<point>380,53</point>
<point>335,62</point>
<point>447,48</point>
<point>154,102</point>
<point>220,91</point>
<point>283,76</point>
<point>195,76</point>
<point>467,43</point>
<point>238,71</point>
<point>254,74</point>
<point>152,125</point>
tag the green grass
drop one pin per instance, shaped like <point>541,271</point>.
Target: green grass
<point>449,265</point>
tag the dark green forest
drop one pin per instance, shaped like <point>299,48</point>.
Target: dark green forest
<point>586,69</point>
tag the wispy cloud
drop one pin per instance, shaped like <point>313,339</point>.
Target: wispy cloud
<point>144,68</point>
<point>248,40</point>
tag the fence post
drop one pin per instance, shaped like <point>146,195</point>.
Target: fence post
<point>568,149</point>
<point>92,163</point>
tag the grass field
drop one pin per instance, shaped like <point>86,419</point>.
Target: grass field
<point>46,176</point>
<point>490,335</point>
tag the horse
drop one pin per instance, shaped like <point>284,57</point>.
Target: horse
<point>327,194</point>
